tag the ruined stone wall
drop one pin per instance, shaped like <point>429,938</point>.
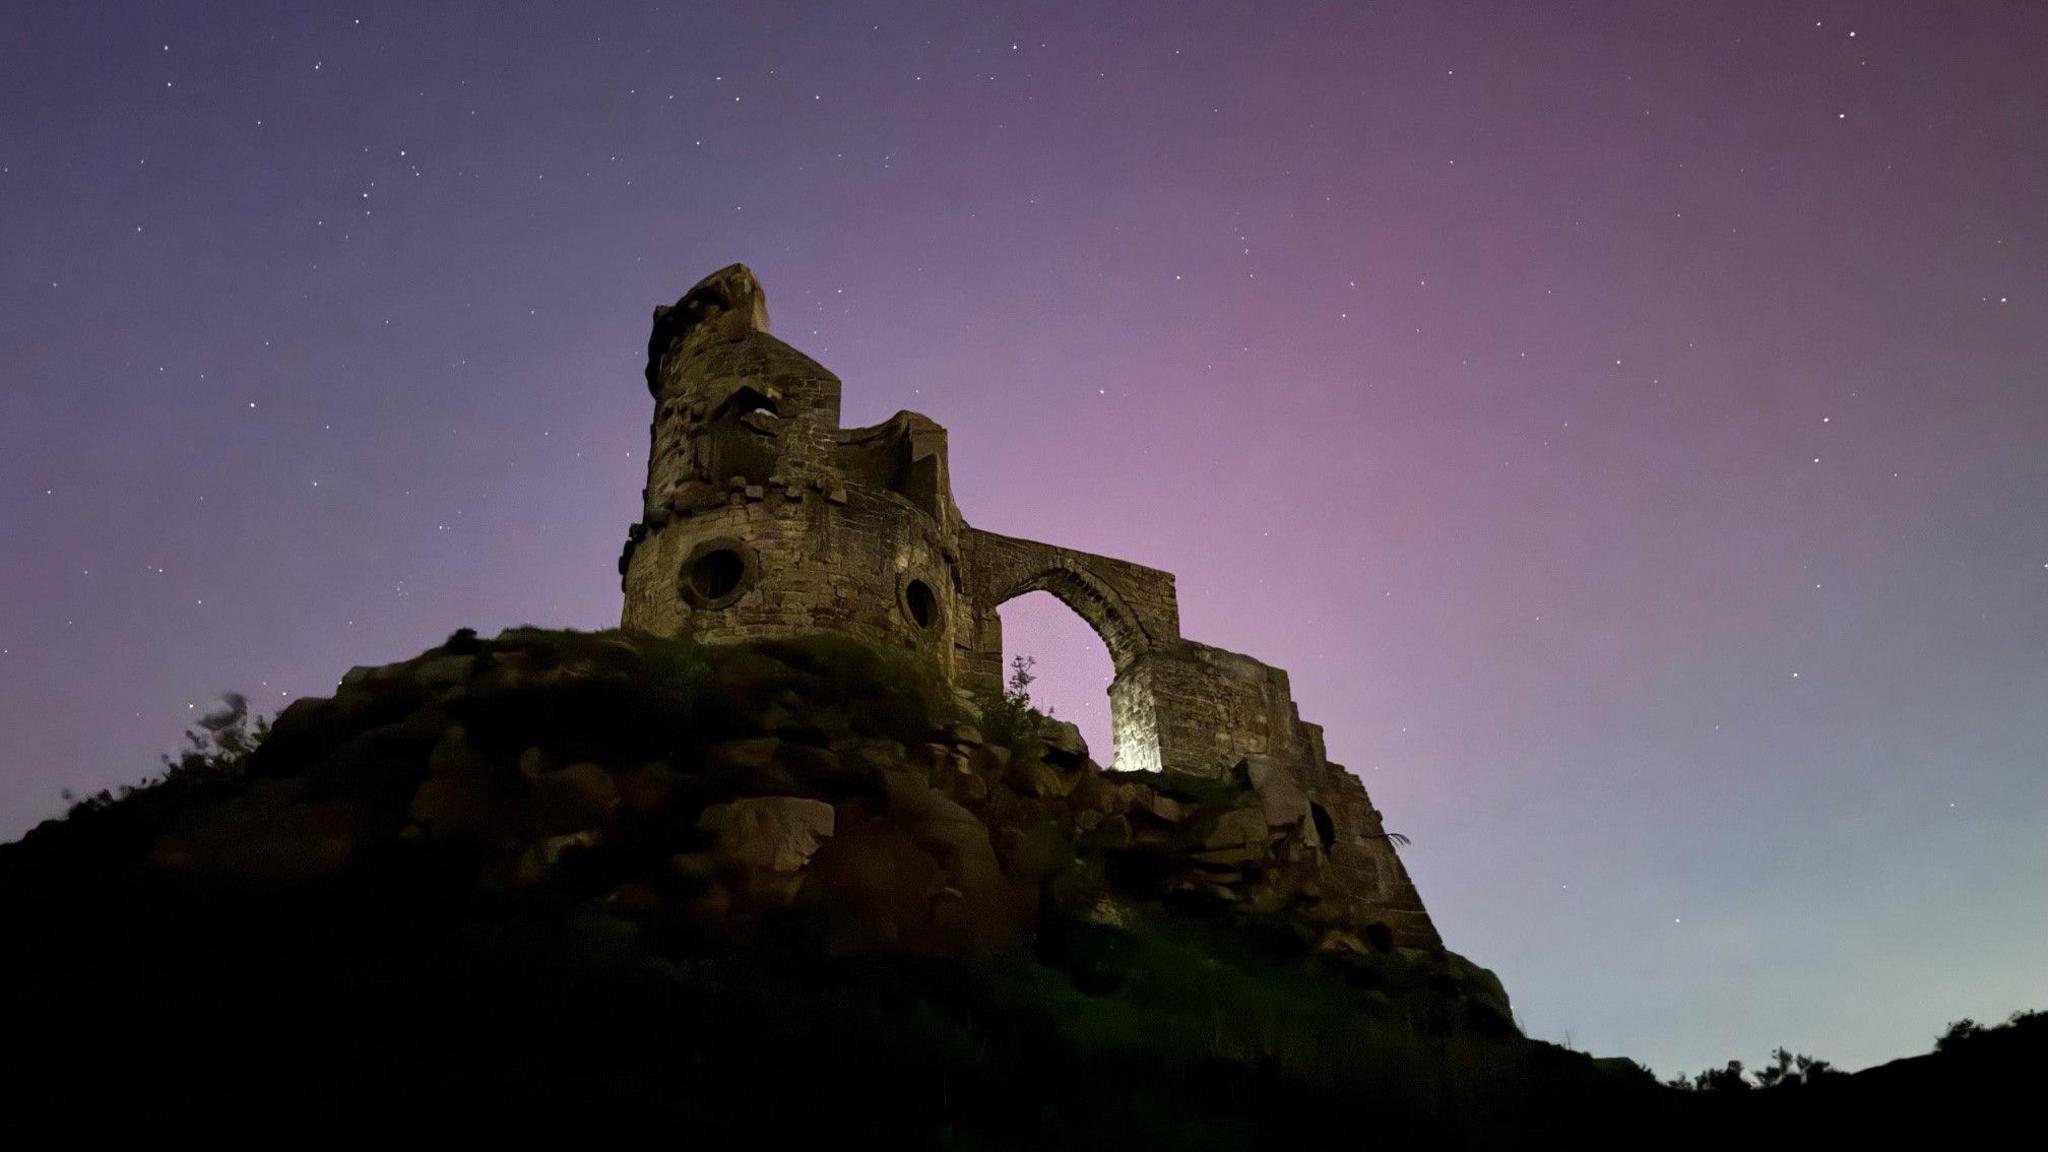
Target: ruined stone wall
<point>1130,606</point>
<point>763,518</point>
<point>1217,707</point>
<point>813,563</point>
<point>1364,875</point>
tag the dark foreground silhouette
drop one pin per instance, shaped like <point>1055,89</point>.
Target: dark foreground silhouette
<point>558,885</point>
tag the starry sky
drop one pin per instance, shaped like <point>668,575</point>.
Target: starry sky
<point>1626,421</point>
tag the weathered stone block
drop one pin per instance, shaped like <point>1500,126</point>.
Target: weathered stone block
<point>778,833</point>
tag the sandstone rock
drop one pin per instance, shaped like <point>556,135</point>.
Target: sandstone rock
<point>811,765</point>
<point>646,787</point>
<point>1091,793</point>
<point>1481,985</point>
<point>1111,912</point>
<point>868,758</point>
<point>1063,743</point>
<point>874,884</point>
<point>778,833</point>
<point>414,735</point>
<point>1238,826</point>
<point>1113,832</point>
<point>1344,942</point>
<point>1034,851</point>
<point>453,755</point>
<point>693,866</point>
<point>1036,778</point>
<point>1203,887</point>
<point>915,808</point>
<point>1164,807</point>
<point>1283,800</point>
<point>315,716</point>
<point>576,797</point>
<point>960,844</point>
<point>750,766</point>
<point>450,807</point>
<point>539,859</point>
<point>791,720</point>
<point>444,671</point>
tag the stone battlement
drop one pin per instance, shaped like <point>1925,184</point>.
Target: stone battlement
<point>763,518</point>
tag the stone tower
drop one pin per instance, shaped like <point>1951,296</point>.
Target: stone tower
<point>762,517</point>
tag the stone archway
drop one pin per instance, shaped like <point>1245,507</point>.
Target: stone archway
<point>1131,607</point>
<point>1071,669</point>
<point>1095,602</point>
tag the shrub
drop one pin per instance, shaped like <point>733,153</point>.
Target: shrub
<point>1010,720</point>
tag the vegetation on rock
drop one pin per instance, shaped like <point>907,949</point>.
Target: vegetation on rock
<point>559,881</point>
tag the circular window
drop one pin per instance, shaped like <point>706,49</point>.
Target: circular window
<point>717,573</point>
<point>922,604</point>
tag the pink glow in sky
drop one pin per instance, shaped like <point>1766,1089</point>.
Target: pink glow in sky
<point>1627,422</point>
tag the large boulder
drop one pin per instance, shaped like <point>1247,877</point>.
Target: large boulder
<point>1238,827</point>
<point>1481,985</point>
<point>579,796</point>
<point>1063,743</point>
<point>776,833</point>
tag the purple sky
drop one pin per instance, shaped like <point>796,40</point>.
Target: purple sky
<point>1627,422</point>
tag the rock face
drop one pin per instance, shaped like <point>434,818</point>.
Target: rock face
<point>777,833</point>
<point>763,519</point>
<point>735,786</point>
<point>597,871</point>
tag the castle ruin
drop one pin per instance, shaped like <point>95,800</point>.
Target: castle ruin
<point>762,518</point>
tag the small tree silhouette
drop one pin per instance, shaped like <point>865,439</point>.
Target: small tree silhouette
<point>1959,1033</point>
<point>217,751</point>
<point>219,748</point>
<point>1789,1070</point>
<point>1010,720</point>
<point>1729,1079</point>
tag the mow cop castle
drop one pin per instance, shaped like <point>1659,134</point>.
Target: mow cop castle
<point>762,517</point>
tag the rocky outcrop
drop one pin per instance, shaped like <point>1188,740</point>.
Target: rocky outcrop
<point>818,781</point>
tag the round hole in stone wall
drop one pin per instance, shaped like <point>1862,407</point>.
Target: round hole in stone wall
<point>717,573</point>
<point>923,604</point>
<point>714,575</point>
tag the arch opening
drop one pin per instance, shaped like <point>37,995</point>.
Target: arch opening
<point>1072,665</point>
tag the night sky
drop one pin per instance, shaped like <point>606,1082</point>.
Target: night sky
<point>1627,422</point>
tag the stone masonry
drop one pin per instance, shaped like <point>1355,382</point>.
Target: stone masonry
<point>762,517</point>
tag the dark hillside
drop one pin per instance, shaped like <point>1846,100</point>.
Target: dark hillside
<point>556,883</point>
